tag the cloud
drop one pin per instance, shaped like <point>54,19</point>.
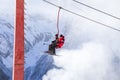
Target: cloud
<point>91,62</point>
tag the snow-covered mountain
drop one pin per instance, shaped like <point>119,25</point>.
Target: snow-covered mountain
<point>91,51</point>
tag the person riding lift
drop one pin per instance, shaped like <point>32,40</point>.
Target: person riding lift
<point>57,43</point>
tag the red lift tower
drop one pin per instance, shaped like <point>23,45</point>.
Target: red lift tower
<point>18,64</point>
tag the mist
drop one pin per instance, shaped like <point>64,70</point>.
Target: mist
<point>91,51</point>
<point>91,62</point>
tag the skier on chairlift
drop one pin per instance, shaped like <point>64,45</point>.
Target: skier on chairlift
<point>57,43</point>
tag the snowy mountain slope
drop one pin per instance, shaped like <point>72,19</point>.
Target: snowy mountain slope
<point>42,66</point>
<point>80,32</point>
<point>6,38</point>
<point>6,49</point>
<point>5,73</point>
<point>91,51</point>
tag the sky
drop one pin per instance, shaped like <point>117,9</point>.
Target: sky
<point>91,51</point>
<point>7,9</point>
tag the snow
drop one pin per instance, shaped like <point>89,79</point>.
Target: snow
<point>91,51</point>
<point>34,55</point>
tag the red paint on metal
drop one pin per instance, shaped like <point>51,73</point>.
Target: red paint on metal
<point>18,72</point>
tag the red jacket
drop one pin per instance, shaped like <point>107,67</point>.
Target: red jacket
<point>60,42</point>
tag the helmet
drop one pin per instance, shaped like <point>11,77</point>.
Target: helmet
<point>56,35</point>
<point>61,35</point>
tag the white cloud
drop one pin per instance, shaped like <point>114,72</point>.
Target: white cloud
<point>91,62</point>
